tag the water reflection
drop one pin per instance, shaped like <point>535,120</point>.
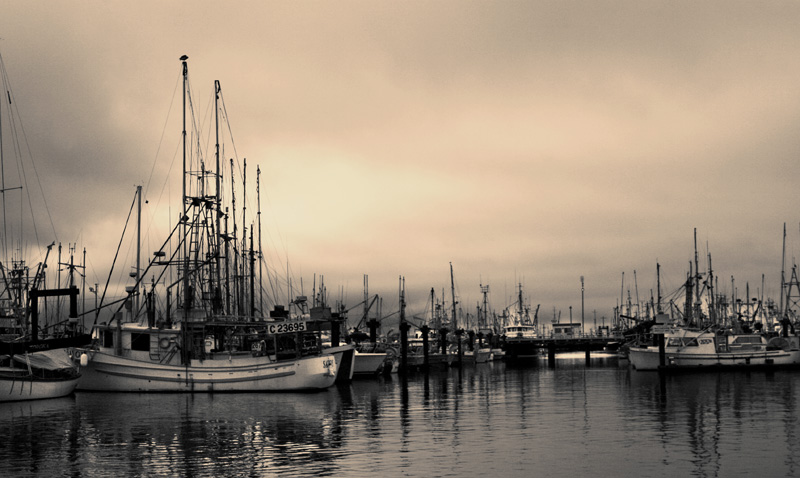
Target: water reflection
<point>484,419</point>
<point>32,429</point>
<point>722,423</point>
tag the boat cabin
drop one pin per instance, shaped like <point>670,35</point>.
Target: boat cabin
<point>566,330</point>
<point>278,340</point>
<point>520,332</point>
<point>719,343</point>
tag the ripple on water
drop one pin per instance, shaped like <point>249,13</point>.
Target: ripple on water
<point>488,420</point>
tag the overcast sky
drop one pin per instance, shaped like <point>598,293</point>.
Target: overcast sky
<point>527,142</point>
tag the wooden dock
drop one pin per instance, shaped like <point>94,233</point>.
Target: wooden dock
<point>522,349</point>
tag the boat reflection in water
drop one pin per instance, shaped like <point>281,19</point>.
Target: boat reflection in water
<point>164,434</point>
<point>446,423</point>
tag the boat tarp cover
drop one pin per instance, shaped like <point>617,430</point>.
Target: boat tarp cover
<point>50,360</point>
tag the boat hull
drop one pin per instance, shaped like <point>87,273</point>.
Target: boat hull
<point>368,363</point>
<point>345,356</point>
<point>478,356</point>
<point>109,373</point>
<point>523,349</point>
<point>33,388</point>
<point>647,358</point>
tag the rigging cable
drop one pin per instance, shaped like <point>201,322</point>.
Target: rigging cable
<point>114,262</point>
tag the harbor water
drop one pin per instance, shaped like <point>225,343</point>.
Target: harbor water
<point>490,419</point>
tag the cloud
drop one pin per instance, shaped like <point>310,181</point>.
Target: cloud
<point>521,141</point>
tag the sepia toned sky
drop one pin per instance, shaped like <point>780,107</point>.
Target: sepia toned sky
<point>525,142</point>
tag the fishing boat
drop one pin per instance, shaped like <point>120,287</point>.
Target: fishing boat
<point>31,366</point>
<point>482,351</point>
<point>521,336</point>
<point>416,359</point>
<point>37,375</point>
<point>725,343</point>
<point>372,356</point>
<point>435,348</point>
<point>686,349</point>
<point>196,326</point>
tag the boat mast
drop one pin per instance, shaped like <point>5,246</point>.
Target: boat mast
<point>434,322</point>
<point>260,256</point>
<point>244,235</point>
<point>621,295</point>
<point>218,199</point>
<point>638,302</point>
<point>252,278</point>
<point>3,189</point>
<point>184,218</point>
<point>235,294</point>
<point>3,178</point>
<point>783,271</point>
<point>658,286</point>
<point>227,266</point>
<point>485,290</point>
<point>453,294</point>
<point>367,305</point>
<point>138,249</point>
<point>712,304</point>
<point>697,281</point>
<point>687,306</point>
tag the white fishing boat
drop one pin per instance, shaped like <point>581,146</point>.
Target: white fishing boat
<point>521,336</point>
<point>152,361</point>
<point>196,327</point>
<point>37,375</point>
<point>686,349</point>
<point>32,367</point>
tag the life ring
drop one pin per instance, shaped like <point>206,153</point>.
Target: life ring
<point>163,343</point>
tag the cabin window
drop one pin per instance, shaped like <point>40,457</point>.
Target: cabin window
<point>140,342</point>
<point>682,342</point>
<point>747,340</point>
<point>108,338</point>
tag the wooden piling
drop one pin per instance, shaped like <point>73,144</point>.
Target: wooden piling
<point>404,328</point>
<point>373,330</point>
<point>425,359</point>
<point>588,346</point>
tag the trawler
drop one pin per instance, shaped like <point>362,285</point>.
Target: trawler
<point>196,327</point>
